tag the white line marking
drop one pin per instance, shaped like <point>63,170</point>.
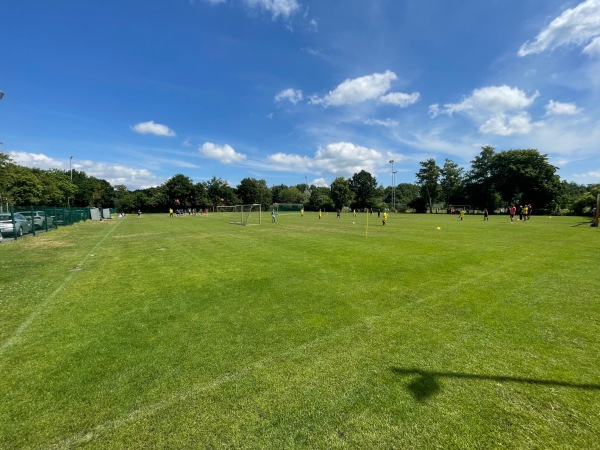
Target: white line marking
<point>25,324</point>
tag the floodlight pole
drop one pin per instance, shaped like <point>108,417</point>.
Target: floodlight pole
<point>393,186</point>
<point>71,167</point>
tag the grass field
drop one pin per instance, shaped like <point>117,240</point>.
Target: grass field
<point>192,333</point>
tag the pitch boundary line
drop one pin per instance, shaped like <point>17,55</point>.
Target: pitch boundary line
<point>9,342</point>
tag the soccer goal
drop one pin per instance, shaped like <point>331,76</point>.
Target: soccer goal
<point>284,208</point>
<point>246,215</point>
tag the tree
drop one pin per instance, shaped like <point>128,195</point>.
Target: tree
<point>251,190</point>
<point>340,192</point>
<point>320,199</point>
<point>479,186</point>
<point>220,193</point>
<point>587,200</point>
<point>364,187</point>
<point>451,183</point>
<point>179,191</point>
<point>427,180</point>
<point>526,177</point>
<point>22,186</point>
<point>201,199</point>
<point>406,193</point>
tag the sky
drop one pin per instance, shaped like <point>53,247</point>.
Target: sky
<point>292,91</point>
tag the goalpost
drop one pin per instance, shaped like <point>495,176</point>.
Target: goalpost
<point>283,208</point>
<point>246,214</point>
<point>227,209</point>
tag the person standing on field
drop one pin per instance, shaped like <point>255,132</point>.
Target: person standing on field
<point>462,214</point>
<point>486,215</point>
<point>512,211</point>
<point>385,217</point>
<point>273,216</point>
<point>320,214</point>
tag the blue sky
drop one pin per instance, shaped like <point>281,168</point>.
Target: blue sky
<point>293,90</point>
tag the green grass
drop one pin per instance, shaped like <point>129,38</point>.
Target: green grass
<point>193,333</point>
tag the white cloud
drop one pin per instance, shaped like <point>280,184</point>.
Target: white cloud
<point>508,125</point>
<point>390,123</point>
<point>38,160</point>
<point>492,99</point>
<point>434,110</point>
<point>291,161</point>
<point>223,153</point>
<point>119,174</point>
<point>291,95</point>
<point>319,182</point>
<point>339,159</point>
<point>575,26</point>
<point>113,173</point>
<point>593,48</point>
<point>592,177</point>
<point>560,109</point>
<point>400,99</point>
<point>357,90</point>
<point>497,109</point>
<point>151,127</point>
<point>283,8</point>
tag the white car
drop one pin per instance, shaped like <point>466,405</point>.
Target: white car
<point>21,224</point>
<point>39,219</point>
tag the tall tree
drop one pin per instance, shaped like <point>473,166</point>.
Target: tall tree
<point>220,193</point>
<point>406,193</point>
<point>479,185</point>
<point>251,190</point>
<point>428,181</point>
<point>340,192</point>
<point>179,191</point>
<point>364,187</point>
<point>320,199</point>
<point>22,187</point>
<point>525,176</point>
<point>451,183</point>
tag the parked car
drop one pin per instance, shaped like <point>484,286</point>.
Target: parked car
<point>39,218</point>
<point>21,224</point>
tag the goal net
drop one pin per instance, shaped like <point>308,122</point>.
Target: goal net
<point>246,215</point>
<point>226,209</point>
<point>283,208</point>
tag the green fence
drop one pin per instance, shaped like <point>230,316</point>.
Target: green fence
<point>18,221</point>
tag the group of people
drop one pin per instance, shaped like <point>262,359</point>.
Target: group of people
<point>190,212</point>
<point>339,215</point>
<point>523,211</point>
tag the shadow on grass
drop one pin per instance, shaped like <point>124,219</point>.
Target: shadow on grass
<point>588,223</point>
<point>425,383</point>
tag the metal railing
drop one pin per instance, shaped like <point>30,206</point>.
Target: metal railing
<point>18,221</point>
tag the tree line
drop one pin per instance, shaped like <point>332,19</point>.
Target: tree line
<point>494,180</point>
